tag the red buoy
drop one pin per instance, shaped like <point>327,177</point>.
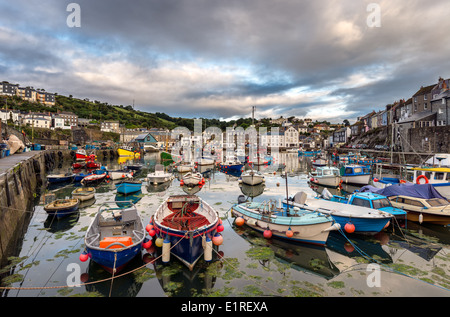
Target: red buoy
<point>349,227</point>
<point>220,228</point>
<point>267,234</point>
<point>84,257</point>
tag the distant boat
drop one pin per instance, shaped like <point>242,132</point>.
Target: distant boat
<point>231,165</point>
<point>439,177</point>
<point>81,155</point>
<point>252,177</point>
<point>84,193</point>
<point>120,174</point>
<point>206,161</point>
<point>296,224</point>
<point>114,237</point>
<point>192,179</point>
<point>94,179</point>
<point>92,164</point>
<point>129,186</point>
<point>61,208</point>
<point>319,161</point>
<point>127,151</point>
<point>159,175</point>
<point>184,167</point>
<point>356,174</point>
<point>60,178</point>
<point>326,176</point>
<point>188,225</point>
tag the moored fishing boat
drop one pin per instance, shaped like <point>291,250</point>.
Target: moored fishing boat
<point>120,174</point>
<point>60,178</point>
<point>159,175</point>
<point>356,174</point>
<point>84,193</point>
<point>129,186</point>
<point>95,178</point>
<point>231,165</point>
<point>326,176</point>
<point>61,208</point>
<point>114,237</point>
<point>81,155</point>
<point>422,202</point>
<point>439,177</point>
<point>127,151</point>
<point>192,179</point>
<point>290,223</point>
<point>366,199</point>
<point>188,226</point>
<point>352,218</point>
<point>252,177</point>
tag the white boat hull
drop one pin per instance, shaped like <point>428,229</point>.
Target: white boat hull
<point>250,179</point>
<point>330,181</point>
<point>119,175</point>
<point>159,179</point>
<point>356,179</point>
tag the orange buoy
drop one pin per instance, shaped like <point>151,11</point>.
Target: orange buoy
<point>217,239</point>
<point>239,221</point>
<point>289,233</point>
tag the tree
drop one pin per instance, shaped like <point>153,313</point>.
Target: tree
<point>346,123</point>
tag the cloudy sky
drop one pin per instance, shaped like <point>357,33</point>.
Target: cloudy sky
<point>209,58</point>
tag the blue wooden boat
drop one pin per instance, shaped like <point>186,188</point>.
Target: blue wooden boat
<point>60,178</point>
<point>79,177</point>
<point>361,219</point>
<point>114,237</point>
<point>369,200</point>
<point>356,174</point>
<point>128,186</point>
<point>232,165</point>
<point>188,226</point>
<point>291,223</point>
<point>61,208</point>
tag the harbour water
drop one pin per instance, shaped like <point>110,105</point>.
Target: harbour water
<point>408,261</point>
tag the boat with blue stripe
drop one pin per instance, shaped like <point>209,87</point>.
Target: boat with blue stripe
<point>188,226</point>
<point>129,186</point>
<point>360,219</point>
<point>289,223</point>
<point>115,236</point>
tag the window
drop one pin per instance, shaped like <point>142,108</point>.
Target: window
<point>381,203</point>
<point>436,202</point>
<point>439,176</point>
<point>361,202</point>
<point>412,202</point>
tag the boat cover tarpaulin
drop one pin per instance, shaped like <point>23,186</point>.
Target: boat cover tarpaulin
<point>425,191</point>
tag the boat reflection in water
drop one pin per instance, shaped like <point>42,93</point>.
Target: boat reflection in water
<point>299,256</point>
<point>178,281</point>
<point>126,285</point>
<point>252,191</point>
<point>158,188</point>
<point>125,201</point>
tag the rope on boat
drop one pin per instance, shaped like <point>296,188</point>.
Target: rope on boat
<point>93,282</point>
<point>388,268</point>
